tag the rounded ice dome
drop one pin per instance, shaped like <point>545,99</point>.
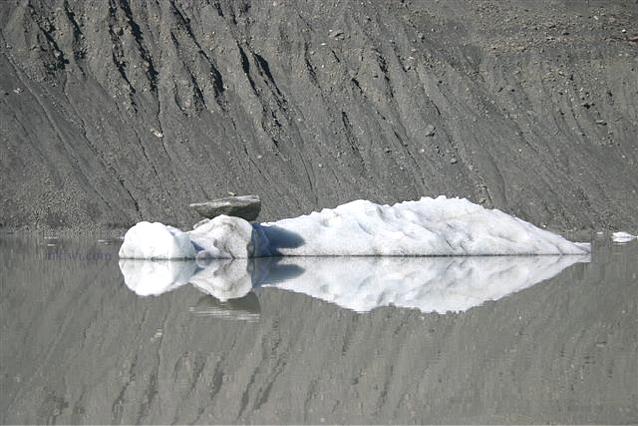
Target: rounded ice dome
<point>155,240</point>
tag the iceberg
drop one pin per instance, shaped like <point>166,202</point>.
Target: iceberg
<point>622,237</point>
<point>427,227</point>
<point>156,241</point>
<point>361,284</point>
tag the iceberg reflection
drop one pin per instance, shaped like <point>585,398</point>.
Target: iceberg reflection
<point>429,284</point>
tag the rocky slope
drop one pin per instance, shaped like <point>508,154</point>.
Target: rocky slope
<point>114,111</point>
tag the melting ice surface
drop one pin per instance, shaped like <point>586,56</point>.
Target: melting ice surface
<point>427,227</point>
<point>430,284</point>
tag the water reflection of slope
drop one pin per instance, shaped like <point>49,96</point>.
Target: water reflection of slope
<point>245,308</point>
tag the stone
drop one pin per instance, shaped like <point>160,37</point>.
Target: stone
<point>429,130</point>
<point>244,206</point>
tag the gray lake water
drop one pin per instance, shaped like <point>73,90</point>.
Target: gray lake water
<point>88,339</point>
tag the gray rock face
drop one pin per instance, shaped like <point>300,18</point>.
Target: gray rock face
<point>244,206</point>
<point>116,112</point>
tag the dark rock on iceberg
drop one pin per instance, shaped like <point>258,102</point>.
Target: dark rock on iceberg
<point>244,206</point>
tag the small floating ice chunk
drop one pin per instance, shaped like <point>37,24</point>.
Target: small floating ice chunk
<point>622,237</point>
<point>155,240</point>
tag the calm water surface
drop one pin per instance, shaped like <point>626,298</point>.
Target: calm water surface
<point>87,339</point>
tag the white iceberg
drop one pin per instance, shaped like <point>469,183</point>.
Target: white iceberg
<point>427,227</point>
<point>228,237</point>
<point>622,237</point>
<point>432,284</point>
<point>155,240</point>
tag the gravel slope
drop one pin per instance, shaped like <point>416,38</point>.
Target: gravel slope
<point>116,111</point>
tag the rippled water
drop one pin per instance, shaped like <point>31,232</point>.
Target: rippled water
<point>87,339</point>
